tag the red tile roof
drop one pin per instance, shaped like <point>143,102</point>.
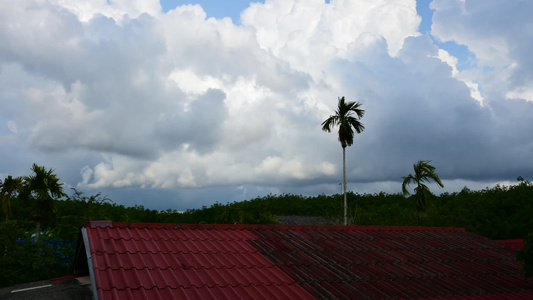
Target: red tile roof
<point>178,261</point>
<point>515,244</point>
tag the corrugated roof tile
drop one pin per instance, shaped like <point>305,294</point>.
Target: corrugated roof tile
<point>184,261</point>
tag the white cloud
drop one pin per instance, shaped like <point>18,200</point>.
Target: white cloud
<point>449,59</point>
<point>116,9</point>
<point>452,62</point>
<point>12,127</point>
<point>521,93</point>
<point>494,33</point>
<point>308,34</point>
<point>467,24</point>
<point>188,82</point>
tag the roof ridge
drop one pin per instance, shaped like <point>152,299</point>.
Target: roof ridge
<point>175,226</point>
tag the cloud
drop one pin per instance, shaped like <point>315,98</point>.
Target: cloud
<point>116,9</point>
<point>198,126</point>
<point>491,32</point>
<point>124,98</point>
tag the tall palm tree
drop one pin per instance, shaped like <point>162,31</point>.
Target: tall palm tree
<point>43,186</point>
<point>347,117</point>
<point>424,172</point>
<point>11,185</point>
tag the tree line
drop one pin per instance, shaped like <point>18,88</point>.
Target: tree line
<point>41,221</point>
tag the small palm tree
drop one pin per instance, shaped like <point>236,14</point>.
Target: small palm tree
<point>347,122</point>
<point>43,186</point>
<point>9,187</point>
<point>424,172</point>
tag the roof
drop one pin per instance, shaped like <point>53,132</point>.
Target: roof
<point>174,261</point>
<point>515,244</point>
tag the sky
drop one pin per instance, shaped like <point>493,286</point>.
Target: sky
<point>180,104</point>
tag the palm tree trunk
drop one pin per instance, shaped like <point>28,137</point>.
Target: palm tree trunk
<point>37,230</point>
<point>4,206</point>
<point>9,211</point>
<point>344,176</point>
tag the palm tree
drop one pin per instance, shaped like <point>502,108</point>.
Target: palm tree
<point>424,172</point>
<point>347,122</point>
<point>43,186</point>
<point>11,185</point>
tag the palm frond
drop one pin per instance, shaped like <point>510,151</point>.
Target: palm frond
<point>423,172</point>
<point>347,122</point>
<point>406,182</point>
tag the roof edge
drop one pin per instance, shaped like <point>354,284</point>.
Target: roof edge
<point>103,224</point>
<point>87,244</point>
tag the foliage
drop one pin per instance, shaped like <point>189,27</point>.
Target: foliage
<point>9,187</point>
<point>344,118</point>
<point>24,260</point>
<point>42,187</point>
<point>424,172</point>
<point>526,255</point>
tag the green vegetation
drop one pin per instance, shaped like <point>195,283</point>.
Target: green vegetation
<point>526,255</point>
<point>347,122</point>
<point>501,212</point>
<point>9,186</point>
<point>424,172</point>
<point>41,188</point>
